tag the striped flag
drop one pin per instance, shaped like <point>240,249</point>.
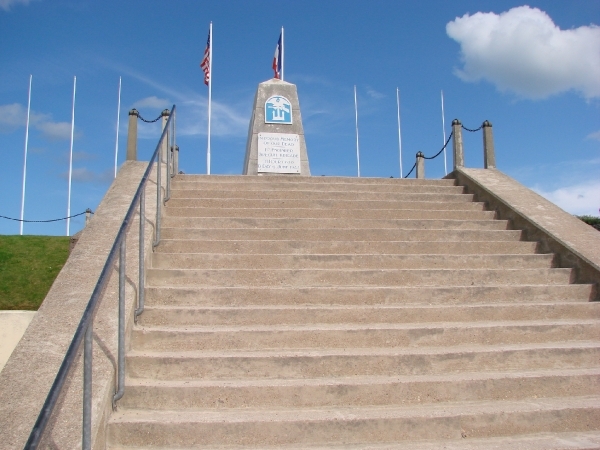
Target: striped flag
<point>277,58</point>
<point>205,64</point>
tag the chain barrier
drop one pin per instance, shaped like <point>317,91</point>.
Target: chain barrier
<point>472,131</point>
<point>411,170</point>
<point>148,121</point>
<point>443,148</point>
<point>46,221</point>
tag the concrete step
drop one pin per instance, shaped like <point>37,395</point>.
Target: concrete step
<point>541,441</point>
<point>314,180</point>
<point>259,427</point>
<point>380,335</point>
<point>466,205</point>
<point>358,391</point>
<point>162,260</point>
<point>274,186</point>
<point>296,247</point>
<point>317,195</point>
<point>349,362</point>
<point>246,211</point>
<point>220,296</point>
<point>331,312</point>
<point>350,277</point>
<point>407,224</point>
<point>177,316</point>
<point>339,234</point>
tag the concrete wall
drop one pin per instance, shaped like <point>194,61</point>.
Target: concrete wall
<point>12,326</point>
<point>32,367</point>
<point>575,243</point>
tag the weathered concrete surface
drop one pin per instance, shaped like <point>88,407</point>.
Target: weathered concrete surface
<point>32,368</point>
<point>575,243</point>
<point>258,125</point>
<point>317,315</point>
<point>12,326</point>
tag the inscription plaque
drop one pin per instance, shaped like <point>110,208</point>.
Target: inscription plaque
<point>278,153</point>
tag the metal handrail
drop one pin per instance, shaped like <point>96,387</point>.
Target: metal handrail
<point>84,329</point>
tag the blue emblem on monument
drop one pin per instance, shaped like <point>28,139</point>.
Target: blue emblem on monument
<point>278,109</point>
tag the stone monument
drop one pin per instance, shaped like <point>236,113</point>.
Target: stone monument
<point>275,136</point>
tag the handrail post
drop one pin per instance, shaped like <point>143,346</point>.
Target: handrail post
<point>176,160</point>
<point>165,143</point>
<point>158,202</point>
<point>420,165</point>
<point>86,439</point>
<point>132,136</point>
<point>173,161</point>
<point>168,168</point>
<point>457,144</point>
<point>489,156</point>
<point>121,331</point>
<point>141,274</point>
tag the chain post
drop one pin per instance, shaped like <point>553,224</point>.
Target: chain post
<point>420,165</point>
<point>489,155</point>
<point>132,135</point>
<point>457,144</point>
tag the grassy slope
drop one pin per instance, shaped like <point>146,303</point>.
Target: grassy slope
<point>28,267</point>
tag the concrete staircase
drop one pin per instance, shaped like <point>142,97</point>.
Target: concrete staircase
<point>288,312</point>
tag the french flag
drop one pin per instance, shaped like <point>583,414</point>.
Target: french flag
<point>277,58</point>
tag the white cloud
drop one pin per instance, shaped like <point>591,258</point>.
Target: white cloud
<point>84,175</point>
<point>374,94</point>
<point>153,102</point>
<point>225,121</point>
<point>595,135</point>
<point>14,116</point>
<point>83,156</point>
<point>523,51</point>
<point>6,4</point>
<point>192,115</point>
<point>579,199</point>
<point>55,131</point>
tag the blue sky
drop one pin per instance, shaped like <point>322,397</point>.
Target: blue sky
<point>532,69</point>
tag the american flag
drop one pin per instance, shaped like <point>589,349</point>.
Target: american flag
<point>205,64</point>
<point>277,60</point>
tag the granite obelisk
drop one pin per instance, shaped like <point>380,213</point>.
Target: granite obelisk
<point>276,142</point>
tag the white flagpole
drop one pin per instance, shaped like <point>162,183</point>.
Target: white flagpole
<point>357,151</point>
<point>71,158</point>
<point>210,55</point>
<point>399,134</point>
<point>282,54</point>
<point>25,157</point>
<point>118,121</point>
<point>444,131</point>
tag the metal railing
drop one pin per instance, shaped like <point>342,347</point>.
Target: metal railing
<point>84,330</point>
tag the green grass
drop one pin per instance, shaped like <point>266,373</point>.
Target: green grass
<point>28,267</point>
